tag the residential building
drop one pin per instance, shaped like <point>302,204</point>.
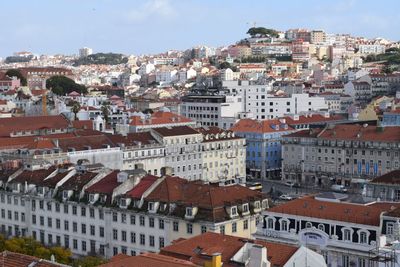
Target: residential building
<point>385,187</point>
<point>110,212</point>
<point>85,51</point>
<point>391,118</point>
<point>359,90</point>
<point>182,150</point>
<point>8,83</point>
<point>263,145</point>
<point>36,77</point>
<point>342,153</point>
<point>317,37</point>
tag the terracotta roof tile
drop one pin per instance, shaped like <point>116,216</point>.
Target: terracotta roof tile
<point>147,260</point>
<point>344,212</point>
<point>106,185</point>
<point>159,117</point>
<point>260,126</point>
<point>12,259</point>
<point>142,186</point>
<point>392,177</point>
<point>175,131</point>
<point>194,249</point>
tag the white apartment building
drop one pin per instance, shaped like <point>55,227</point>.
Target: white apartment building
<point>212,110</point>
<point>371,48</point>
<point>182,150</point>
<point>111,212</point>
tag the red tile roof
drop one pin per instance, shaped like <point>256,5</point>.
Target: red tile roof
<point>33,177</point>
<point>146,260</point>
<point>257,126</point>
<point>84,124</point>
<point>13,259</point>
<point>142,186</point>
<point>78,181</point>
<point>343,212</point>
<point>392,177</point>
<point>159,117</point>
<point>105,185</point>
<point>132,139</point>
<point>175,131</point>
<point>194,249</point>
<point>16,124</point>
<point>175,189</point>
<point>314,118</point>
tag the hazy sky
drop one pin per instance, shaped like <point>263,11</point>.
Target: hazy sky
<point>151,26</point>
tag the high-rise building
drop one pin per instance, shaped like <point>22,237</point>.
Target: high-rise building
<point>85,51</point>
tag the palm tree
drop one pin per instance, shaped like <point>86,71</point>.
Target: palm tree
<point>76,107</point>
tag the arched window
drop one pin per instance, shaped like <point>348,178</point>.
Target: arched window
<point>346,235</point>
<point>363,237</point>
<point>321,227</point>
<point>270,223</point>
<point>308,225</point>
<point>284,225</point>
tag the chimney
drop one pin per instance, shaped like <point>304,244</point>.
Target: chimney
<point>215,261</point>
<point>258,256</point>
<point>166,171</point>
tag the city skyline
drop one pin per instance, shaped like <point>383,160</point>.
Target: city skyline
<point>179,25</point>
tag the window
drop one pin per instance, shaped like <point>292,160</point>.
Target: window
<point>115,217</point>
<point>123,235</point>
<point>346,235</point>
<point>115,251</point>
<point>74,227</point>
<point>176,226</point>
<point>66,225</point>
<point>91,212</point>
<point>234,227</point>
<point>142,239</point>
<point>284,225</point>
<point>115,234</point>
<point>245,224</point>
<point>92,230</point>
<point>234,211</point>
<point>141,220</point>
<point>363,238</point>
<point>189,211</point>
<point>83,245</point>
<point>222,229</point>
<point>123,218</point>
<point>345,261</point>
<point>101,231</point>
<point>161,223</point>
<point>270,223</point>
<point>245,208</point>
<point>189,228</point>
<point>161,242</point>
<point>203,229</point>
<point>389,228</point>
<point>308,225</point>
<point>151,240</point>
<point>83,228</point>
<point>74,210</point>
<point>133,237</point>
<point>321,227</point>
<point>83,211</point>
<point>133,219</point>
<point>151,222</point>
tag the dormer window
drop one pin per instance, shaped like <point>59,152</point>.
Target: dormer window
<point>234,211</point>
<point>91,198</point>
<point>257,205</point>
<point>245,208</point>
<point>308,225</point>
<point>65,194</point>
<point>189,212</point>
<point>122,202</point>
<point>151,206</point>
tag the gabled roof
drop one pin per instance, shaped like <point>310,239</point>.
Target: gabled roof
<point>175,189</point>
<point>106,185</point>
<point>314,118</point>
<point>132,139</point>
<point>142,186</point>
<point>78,181</point>
<point>33,177</point>
<point>198,249</point>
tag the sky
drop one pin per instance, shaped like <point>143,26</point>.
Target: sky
<point>153,26</point>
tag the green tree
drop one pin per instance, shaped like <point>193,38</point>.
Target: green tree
<point>62,85</point>
<point>17,73</point>
<point>61,254</point>
<point>89,261</point>
<point>76,107</point>
<point>261,31</point>
<point>102,58</point>
<point>105,110</point>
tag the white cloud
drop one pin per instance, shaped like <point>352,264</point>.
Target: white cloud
<point>152,8</point>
